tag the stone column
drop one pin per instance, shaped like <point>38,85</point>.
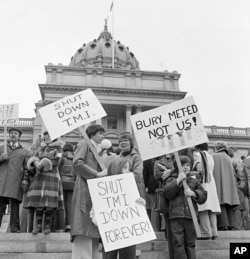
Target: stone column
<point>128,114</point>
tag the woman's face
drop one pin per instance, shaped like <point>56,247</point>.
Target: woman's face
<point>124,145</point>
<point>98,137</point>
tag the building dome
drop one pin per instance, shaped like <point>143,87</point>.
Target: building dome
<point>98,53</point>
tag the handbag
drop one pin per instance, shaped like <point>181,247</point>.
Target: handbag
<point>162,204</point>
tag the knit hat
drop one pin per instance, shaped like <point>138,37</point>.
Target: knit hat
<point>68,147</point>
<point>127,135</point>
<point>106,144</point>
<point>220,146</point>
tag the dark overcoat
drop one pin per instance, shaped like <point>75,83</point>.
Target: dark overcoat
<point>12,171</point>
<point>225,179</point>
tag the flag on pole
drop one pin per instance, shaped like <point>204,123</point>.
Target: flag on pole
<point>111,7</point>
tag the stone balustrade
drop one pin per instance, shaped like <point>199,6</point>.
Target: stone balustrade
<point>228,131</point>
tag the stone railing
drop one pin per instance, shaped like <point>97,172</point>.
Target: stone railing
<point>25,122</point>
<point>228,131</point>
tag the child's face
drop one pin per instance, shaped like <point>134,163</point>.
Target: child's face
<point>186,168</point>
<point>125,168</point>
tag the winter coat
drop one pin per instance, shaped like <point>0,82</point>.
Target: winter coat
<point>178,205</point>
<point>148,175</point>
<point>86,167</point>
<point>135,162</point>
<point>66,170</point>
<point>212,203</point>
<point>45,188</point>
<point>160,166</point>
<point>225,180</point>
<point>12,171</point>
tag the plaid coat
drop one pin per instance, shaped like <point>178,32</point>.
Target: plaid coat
<point>45,188</point>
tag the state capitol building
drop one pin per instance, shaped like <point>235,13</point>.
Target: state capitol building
<point>122,88</point>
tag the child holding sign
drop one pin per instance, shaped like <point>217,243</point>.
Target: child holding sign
<point>183,231</point>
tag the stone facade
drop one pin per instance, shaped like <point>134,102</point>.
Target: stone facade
<point>112,71</point>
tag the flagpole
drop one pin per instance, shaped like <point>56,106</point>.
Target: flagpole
<point>113,34</point>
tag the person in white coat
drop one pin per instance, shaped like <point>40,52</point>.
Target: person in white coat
<point>204,164</point>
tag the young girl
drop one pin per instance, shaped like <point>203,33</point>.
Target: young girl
<point>45,193</point>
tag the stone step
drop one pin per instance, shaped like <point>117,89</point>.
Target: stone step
<point>245,234</point>
<point>35,255</point>
<point>58,246</point>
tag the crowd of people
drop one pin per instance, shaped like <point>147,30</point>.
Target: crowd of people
<point>46,190</point>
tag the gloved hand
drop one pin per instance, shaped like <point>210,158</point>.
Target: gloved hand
<point>4,157</point>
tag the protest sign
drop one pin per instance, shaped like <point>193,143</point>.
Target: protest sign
<point>71,112</point>
<point>168,128</point>
<point>8,114</point>
<point>121,220</point>
<point>8,117</point>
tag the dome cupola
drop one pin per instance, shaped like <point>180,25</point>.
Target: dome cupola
<point>98,53</point>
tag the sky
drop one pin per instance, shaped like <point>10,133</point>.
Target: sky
<point>206,41</point>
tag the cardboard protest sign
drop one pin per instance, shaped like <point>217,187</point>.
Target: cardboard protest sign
<point>71,112</point>
<point>9,114</point>
<point>168,128</point>
<point>121,221</point>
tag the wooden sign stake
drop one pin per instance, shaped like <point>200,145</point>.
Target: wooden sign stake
<point>5,140</point>
<point>189,200</point>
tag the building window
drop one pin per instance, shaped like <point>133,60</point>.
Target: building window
<point>112,122</point>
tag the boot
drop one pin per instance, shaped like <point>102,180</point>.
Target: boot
<point>39,220</point>
<point>48,221</point>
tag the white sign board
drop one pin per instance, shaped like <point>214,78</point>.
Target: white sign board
<point>121,221</point>
<point>168,128</point>
<point>71,112</point>
<point>9,114</point>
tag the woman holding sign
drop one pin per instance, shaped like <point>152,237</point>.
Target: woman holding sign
<point>84,233</point>
<point>128,158</point>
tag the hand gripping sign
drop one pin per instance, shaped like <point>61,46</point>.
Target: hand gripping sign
<point>168,129</point>
<point>120,219</point>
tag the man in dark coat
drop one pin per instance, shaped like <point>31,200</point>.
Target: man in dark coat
<point>226,187</point>
<point>12,167</point>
